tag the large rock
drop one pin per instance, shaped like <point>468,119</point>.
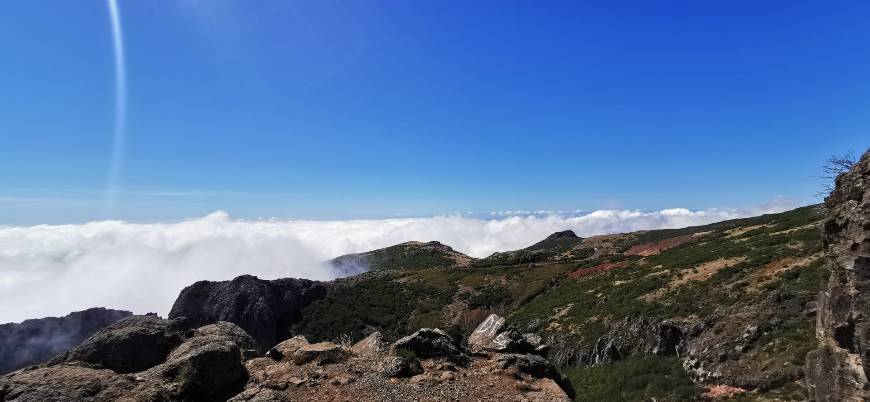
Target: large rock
<point>430,343</point>
<point>322,353</point>
<point>535,366</point>
<point>371,345</point>
<point>264,309</point>
<point>838,370</point>
<point>133,344</point>
<point>483,336</point>
<point>285,349</point>
<point>36,341</point>
<point>206,366</point>
<point>65,382</point>
<point>492,336</point>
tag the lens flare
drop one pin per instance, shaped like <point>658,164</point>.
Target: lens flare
<point>118,136</point>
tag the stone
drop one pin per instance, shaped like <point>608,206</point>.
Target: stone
<point>208,365</point>
<point>430,343</point>
<point>371,345</point>
<point>286,348</point>
<point>533,365</point>
<point>321,353</point>
<point>397,366</point>
<point>484,335</point>
<point>132,344</point>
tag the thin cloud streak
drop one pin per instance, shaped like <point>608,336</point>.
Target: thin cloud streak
<point>119,134</point>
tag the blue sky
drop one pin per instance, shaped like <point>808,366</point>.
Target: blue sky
<point>362,109</point>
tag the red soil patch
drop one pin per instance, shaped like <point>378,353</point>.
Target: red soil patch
<point>607,266</point>
<point>722,391</point>
<point>656,247</point>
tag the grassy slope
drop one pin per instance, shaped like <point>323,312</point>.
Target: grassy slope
<point>772,257</point>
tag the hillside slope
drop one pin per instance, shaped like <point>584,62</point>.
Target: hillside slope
<point>735,300</point>
<point>409,255</point>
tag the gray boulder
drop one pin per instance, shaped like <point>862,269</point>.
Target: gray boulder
<point>430,343</point>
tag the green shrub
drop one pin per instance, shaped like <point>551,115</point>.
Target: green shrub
<point>634,379</point>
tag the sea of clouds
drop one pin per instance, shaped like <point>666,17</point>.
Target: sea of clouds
<point>51,270</point>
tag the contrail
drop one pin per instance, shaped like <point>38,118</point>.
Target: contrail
<point>118,137</point>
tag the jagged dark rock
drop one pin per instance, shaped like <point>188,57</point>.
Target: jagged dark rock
<point>133,344</point>
<point>36,341</point>
<point>264,309</point>
<point>838,369</point>
<point>430,343</point>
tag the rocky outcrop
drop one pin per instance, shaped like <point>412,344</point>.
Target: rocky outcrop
<point>202,364</point>
<point>207,366</point>
<point>264,309</point>
<point>565,234</point>
<point>211,363</point>
<point>642,336</point>
<point>132,344</point>
<point>36,341</point>
<point>837,371</point>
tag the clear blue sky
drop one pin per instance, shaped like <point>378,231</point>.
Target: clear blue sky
<point>343,109</point>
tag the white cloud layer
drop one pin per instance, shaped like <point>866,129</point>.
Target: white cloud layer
<point>51,270</point>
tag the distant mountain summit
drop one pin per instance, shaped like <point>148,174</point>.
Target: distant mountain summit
<point>409,255</point>
<point>35,341</point>
<point>565,234</point>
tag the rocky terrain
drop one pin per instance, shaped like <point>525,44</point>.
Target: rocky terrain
<point>763,308</point>
<point>145,358</point>
<point>35,341</point>
<point>837,370</point>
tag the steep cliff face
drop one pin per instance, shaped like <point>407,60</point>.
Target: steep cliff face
<point>838,369</point>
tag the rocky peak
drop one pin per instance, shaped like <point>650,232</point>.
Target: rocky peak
<point>838,369</point>
<point>264,309</point>
<point>565,234</point>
